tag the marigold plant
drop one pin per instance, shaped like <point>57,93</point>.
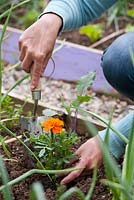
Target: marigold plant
<point>54,146</point>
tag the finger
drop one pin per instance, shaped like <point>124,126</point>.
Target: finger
<point>37,72</point>
<point>73,160</point>
<point>74,174</point>
<point>77,155</point>
<point>27,62</point>
<point>22,53</point>
<point>20,43</point>
<point>71,163</point>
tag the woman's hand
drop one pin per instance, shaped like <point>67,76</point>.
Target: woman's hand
<point>89,155</point>
<point>37,43</point>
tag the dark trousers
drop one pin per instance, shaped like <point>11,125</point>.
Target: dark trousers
<point>118,64</point>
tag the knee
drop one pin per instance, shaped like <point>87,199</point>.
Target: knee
<point>117,64</point>
<point>119,51</point>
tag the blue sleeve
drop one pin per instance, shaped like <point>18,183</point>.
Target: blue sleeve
<point>76,13</point>
<point>116,144</point>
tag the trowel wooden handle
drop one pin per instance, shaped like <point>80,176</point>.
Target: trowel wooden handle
<point>38,88</point>
<point>36,92</point>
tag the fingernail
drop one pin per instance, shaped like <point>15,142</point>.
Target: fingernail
<point>62,183</point>
<point>32,87</point>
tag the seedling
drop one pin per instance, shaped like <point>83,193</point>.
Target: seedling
<point>94,32</point>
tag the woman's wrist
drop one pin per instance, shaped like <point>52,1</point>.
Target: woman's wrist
<point>52,20</point>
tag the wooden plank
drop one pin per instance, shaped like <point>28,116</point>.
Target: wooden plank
<point>11,140</point>
<point>80,128</point>
<point>72,61</point>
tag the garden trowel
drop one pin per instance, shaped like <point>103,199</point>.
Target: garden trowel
<point>32,124</point>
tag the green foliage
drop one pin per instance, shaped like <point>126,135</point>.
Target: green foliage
<point>7,110</point>
<point>128,165</point>
<point>5,147</point>
<point>1,40</point>
<point>29,12</point>
<point>94,32</point>
<point>7,193</point>
<point>37,192</point>
<point>129,28</point>
<point>29,18</point>
<point>38,189</point>
<point>83,85</point>
<point>85,82</point>
<point>54,151</point>
<point>118,9</point>
<point>130,13</point>
<point>2,126</point>
<point>10,111</point>
<point>79,100</point>
<point>11,4</point>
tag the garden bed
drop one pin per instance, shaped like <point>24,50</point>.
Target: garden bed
<point>19,165</point>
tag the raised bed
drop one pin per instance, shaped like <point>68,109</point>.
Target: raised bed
<point>20,164</point>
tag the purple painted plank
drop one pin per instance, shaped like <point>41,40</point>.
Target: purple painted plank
<point>71,61</point>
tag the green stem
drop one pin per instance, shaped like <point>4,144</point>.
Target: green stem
<point>7,193</point>
<point>8,119</point>
<point>71,191</point>
<point>36,171</point>
<point>1,64</point>
<point>13,8</point>
<point>52,136</point>
<point>14,86</point>
<point>90,192</point>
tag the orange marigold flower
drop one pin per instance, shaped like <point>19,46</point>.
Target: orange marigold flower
<point>54,124</point>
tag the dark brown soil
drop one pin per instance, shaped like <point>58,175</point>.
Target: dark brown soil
<point>21,190</point>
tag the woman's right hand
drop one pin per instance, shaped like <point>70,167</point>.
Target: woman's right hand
<point>37,43</point>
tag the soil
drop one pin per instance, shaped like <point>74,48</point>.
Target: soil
<point>19,165</point>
